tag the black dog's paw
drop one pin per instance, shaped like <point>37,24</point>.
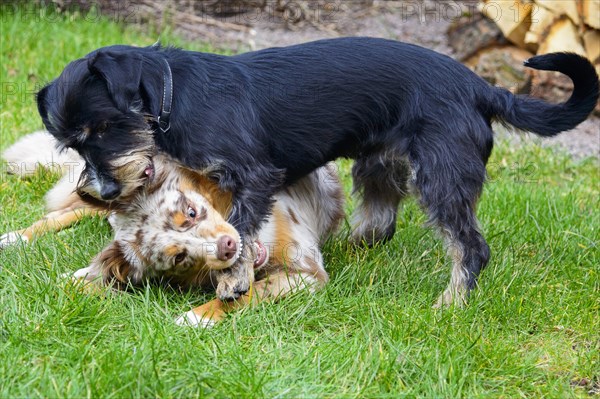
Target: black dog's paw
<point>229,289</point>
<point>235,281</point>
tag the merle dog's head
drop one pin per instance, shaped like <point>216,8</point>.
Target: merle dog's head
<point>102,107</point>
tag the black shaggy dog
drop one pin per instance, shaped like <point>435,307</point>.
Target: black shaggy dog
<point>259,121</point>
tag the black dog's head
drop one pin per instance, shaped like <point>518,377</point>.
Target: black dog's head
<point>101,107</point>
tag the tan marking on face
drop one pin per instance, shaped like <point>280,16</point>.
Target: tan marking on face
<point>220,200</point>
<point>179,219</point>
<point>221,229</point>
<point>214,225</point>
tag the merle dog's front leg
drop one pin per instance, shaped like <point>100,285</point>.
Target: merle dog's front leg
<point>250,208</point>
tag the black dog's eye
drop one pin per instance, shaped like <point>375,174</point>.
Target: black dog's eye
<point>102,126</point>
<point>191,212</point>
<point>180,257</point>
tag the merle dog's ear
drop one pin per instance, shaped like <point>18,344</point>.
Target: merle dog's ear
<point>122,73</point>
<point>113,265</point>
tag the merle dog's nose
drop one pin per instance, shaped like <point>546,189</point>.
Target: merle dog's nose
<point>110,190</point>
<point>226,248</point>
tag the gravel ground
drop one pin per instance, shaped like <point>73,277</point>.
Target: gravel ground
<point>422,22</point>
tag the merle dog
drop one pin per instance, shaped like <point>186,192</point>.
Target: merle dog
<point>256,122</point>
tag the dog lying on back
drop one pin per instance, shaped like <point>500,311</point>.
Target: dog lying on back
<point>175,230</point>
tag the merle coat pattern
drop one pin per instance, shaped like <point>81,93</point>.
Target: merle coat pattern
<point>259,121</point>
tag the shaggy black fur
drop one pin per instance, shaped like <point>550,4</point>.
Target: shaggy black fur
<point>261,120</point>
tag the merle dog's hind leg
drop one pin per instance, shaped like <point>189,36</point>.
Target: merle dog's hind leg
<point>380,182</point>
<point>449,177</point>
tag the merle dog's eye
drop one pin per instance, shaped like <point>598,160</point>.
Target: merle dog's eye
<point>179,257</point>
<point>191,212</point>
<point>102,126</point>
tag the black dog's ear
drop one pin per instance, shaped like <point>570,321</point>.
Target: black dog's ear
<point>122,73</point>
<point>41,103</point>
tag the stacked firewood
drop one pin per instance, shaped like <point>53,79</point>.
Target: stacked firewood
<point>544,26</point>
<point>495,42</point>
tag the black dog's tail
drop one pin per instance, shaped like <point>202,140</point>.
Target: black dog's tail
<point>545,119</point>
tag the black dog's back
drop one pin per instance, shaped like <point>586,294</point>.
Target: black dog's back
<point>339,97</point>
<point>307,104</point>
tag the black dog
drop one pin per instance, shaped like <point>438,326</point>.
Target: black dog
<point>261,120</point>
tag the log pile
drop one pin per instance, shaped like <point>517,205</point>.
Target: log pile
<point>509,31</point>
<point>544,26</point>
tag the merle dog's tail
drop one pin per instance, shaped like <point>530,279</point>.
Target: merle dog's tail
<point>36,151</point>
<point>545,119</point>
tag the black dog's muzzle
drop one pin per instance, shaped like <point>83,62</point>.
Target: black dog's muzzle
<point>110,190</point>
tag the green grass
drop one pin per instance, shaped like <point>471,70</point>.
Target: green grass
<point>530,330</point>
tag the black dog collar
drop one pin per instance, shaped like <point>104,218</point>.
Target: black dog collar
<point>164,123</point>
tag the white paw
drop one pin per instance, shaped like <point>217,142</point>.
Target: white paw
<point>12,238</point>
<point>191,319</point>
<point>67,276</point>
<point>85,274</point>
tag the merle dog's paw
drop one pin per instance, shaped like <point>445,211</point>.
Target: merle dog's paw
<point>232,287</point>
<point>192,319</point>
<point>10,239</point>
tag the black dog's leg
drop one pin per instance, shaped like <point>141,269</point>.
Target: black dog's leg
<point>449,182</point>
<point>253,188</point>
<point>466,247</point>
<point>246,218</point>
<point>380,181</point>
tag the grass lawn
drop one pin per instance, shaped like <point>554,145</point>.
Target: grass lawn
<point>531,330</point>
